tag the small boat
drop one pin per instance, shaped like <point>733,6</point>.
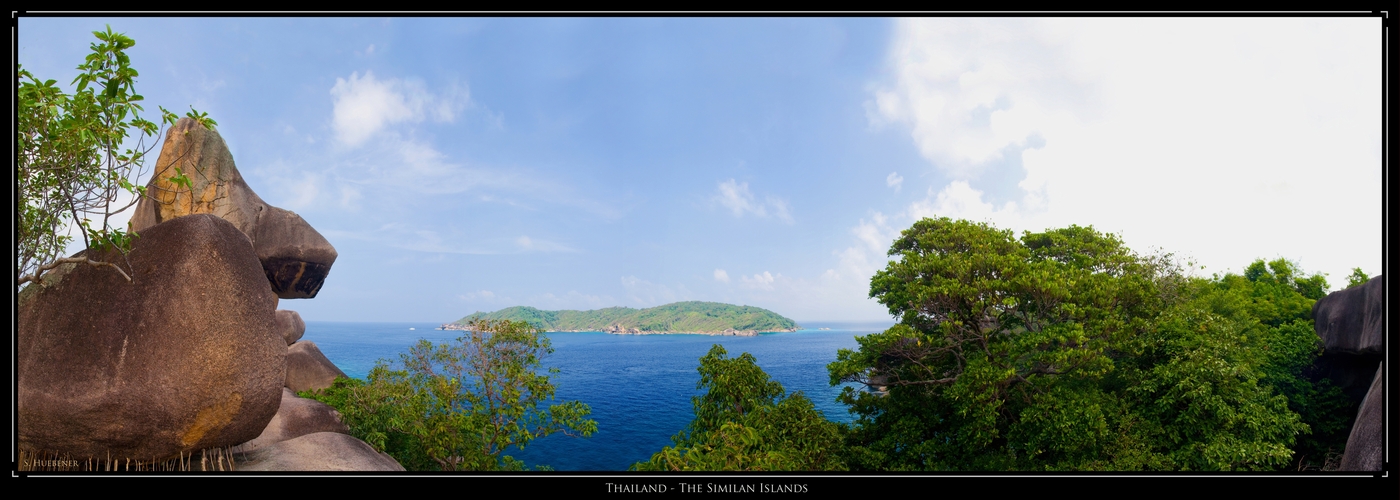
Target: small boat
<point>410,328</point>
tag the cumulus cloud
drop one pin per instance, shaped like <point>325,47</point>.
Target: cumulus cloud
<point>759,281</point>
<point>1199,144</point>
<point>969,87</point>
<point>857,263</point>
<point>736,197</point>
<point>894,180</point>
<point>721,276</point>
<point>364,105</point>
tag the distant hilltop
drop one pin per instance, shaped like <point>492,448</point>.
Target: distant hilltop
<point>709,318</point>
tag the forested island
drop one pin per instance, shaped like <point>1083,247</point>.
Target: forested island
<point>709,318</point>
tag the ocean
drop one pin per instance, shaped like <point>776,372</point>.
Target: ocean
<point>638,386</point>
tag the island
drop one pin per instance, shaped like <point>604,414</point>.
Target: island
<point>704,318</point>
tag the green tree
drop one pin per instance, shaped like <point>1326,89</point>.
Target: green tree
<point>1272,302</point>
<point>744,422</point>
<point>70,165</point>
<point>460,406</point>
<point>1357,277</point>
<point>1060,350</point>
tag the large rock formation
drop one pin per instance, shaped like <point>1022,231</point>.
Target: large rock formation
<point>1351,324</point>
<point>294,256</point>
<point>308,369</point>
<point>295,418</point>
<point>321,451</point>
<point>1366,444</point>
<point>185,357</point>
<point>291,326</point>
<point>1352,321</point>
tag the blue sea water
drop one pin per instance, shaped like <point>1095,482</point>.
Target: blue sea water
<point>638,386</point>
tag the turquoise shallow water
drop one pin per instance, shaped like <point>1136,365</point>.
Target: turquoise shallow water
<point>638,386</point>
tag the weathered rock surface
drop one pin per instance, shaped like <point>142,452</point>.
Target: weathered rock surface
<point>307,368</point>
<point>295,258</point>
<point>1351,325</point>
<point>1365,445</point>
<point>1352,321</point>
<point>320,451</point>
<point>295,418</point>
<point>186,357</point>
<point>291,326</point>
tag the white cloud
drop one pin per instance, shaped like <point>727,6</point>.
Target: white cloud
<point>958,200</point>
<point>1217,138</point>
<point>894,180</point>
<point>969,87</point>
<point>736,197</point>
<point>721,276</point>
<point>365,105</point>
<point>759,281</point>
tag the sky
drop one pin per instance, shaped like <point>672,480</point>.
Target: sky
<point>471,164</point>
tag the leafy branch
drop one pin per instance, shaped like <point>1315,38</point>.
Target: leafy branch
<point>71,164</point>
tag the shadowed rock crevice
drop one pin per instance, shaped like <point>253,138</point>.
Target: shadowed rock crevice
<point>1351,325</point>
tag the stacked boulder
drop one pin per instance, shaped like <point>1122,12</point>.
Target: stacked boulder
<point>1351,324</point>
<point>180,359</point>
<point>306,434</point>
<point>294,256</point>
<point>191,353</point>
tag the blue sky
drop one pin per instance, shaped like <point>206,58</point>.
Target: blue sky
<point>466,164</point>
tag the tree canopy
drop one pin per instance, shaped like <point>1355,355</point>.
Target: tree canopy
<point>743,421</point>
<point>70,165</point>
<point>1065,350</point>
<point>460,406</point>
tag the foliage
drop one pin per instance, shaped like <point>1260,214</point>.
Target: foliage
<point>1065,350</point>
<point>1357,277</point>
<point>460,406</point>
<point>69,163</point>
<point>691,316</point>
<point>743,422</point>
<point>1273,303</point>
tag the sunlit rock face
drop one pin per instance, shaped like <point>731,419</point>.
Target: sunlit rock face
<point>187,356</point>
<point>319,451</point>
<point>308,369</point>
<point>294,257</point>
<point>295,418</point>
